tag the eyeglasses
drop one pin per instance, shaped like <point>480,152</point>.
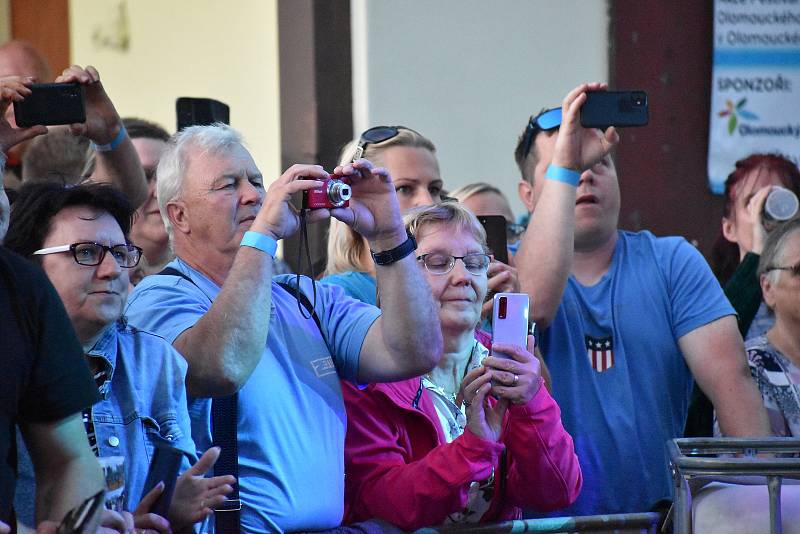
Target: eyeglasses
<point>91,254</point>
<point>794,269</point>
<point>377,134</point>
<point>436,263</point>
<point>546,120</point>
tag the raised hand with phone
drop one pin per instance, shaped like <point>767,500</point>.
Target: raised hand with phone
<point>116,161</point>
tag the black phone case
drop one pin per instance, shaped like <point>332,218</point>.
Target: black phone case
<point>496,235</point>
<point>165,465</point>
<point>51,104</point>
<point>614,108</point>
<point>200,112</point>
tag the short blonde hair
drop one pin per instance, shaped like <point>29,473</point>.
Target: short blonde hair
<point>449,213</point>
<point>464,192</point>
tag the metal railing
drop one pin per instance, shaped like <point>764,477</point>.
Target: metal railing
<point>700,460</point>
<point>643,522</point>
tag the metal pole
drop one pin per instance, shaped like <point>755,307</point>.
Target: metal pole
<point>774,487</point>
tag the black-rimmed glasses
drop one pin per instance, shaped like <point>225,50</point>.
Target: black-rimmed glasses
<point>376,134</point>
<point>90,254</point>
<point>436,263</point>
<point>794,269</point>
<point>546,120</point>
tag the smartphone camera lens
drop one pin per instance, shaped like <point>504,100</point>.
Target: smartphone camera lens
<point>502,308</point>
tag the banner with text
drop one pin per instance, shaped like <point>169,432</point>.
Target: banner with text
<point>755,94</point>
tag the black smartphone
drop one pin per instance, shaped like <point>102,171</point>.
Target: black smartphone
<point>614,108</point>
<point>496,228</point>
<point>79,518</point>
<point>165,465</point>
<point>201,112</point>
<point>50,104</point>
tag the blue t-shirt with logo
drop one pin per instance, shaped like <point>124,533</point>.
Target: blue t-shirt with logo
<point>618,374</point>
<point>292,419</point>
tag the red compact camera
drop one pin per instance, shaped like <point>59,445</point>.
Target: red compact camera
<point>333,193</point>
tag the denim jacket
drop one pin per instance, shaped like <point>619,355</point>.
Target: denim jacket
<point>143,402</point>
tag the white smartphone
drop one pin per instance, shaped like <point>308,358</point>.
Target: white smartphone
<point>510,318</point>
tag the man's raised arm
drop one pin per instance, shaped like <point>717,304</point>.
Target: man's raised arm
<point>406,340</point>
<point>544,258</point>
<point>715,354</point>
<point>116,160</point>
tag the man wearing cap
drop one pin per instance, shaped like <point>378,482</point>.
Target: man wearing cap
<point>631,320</point>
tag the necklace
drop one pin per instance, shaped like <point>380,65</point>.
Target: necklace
<point>453,394</point>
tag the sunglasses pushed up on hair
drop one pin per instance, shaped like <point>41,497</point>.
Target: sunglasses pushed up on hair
<point>547,120</point>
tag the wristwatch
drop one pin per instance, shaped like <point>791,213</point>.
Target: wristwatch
<point>387,257</point>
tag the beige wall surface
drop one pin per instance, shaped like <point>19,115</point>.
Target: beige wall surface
<point>198,48</point>
<point>5,21</point>
<point>468,73</point>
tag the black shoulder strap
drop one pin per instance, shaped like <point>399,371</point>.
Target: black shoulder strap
<point>224,418</point>
<point>303,299</point>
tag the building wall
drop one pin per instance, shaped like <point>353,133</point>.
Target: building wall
<point>199,48</point>
<point>469,73</point>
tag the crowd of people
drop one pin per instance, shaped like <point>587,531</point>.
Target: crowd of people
<point>143,307</point>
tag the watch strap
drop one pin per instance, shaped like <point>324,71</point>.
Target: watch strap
<point>387,257</point>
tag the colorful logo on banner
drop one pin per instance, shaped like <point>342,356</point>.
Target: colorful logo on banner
<point>755,93</point>
<point>734,112</point>
<point>600,352</point>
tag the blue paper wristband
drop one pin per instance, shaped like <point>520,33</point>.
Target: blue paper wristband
<point>262,242</point>
<point>561,174</point>
<point>114,143</point>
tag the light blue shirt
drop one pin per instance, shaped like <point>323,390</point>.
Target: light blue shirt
<point>359,285</point>
<point>292,419</point>
<point>618,373</point>
<point>143,402</point>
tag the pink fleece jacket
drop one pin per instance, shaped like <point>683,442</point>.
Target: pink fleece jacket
<point>399,468</point>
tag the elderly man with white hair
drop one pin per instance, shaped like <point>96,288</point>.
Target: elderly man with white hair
<point>245,334</point>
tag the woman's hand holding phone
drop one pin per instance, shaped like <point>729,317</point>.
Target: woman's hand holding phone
<point>517,374</point>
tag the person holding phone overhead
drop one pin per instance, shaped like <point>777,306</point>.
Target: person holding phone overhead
<point>478,437</point>
<point>627,318</point>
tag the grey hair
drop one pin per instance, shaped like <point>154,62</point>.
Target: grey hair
<point>450,213</point>
<point>174,162</point>
<point>773,253</point>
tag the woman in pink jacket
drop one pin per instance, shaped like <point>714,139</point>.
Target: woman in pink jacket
<point>477,438</point>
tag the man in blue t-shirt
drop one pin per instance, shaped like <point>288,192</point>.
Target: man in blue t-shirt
<point>627,318</point>
<point>240,331</point>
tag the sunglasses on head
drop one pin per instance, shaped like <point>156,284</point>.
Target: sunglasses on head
<point>545,121</point>
<point>376,134</point>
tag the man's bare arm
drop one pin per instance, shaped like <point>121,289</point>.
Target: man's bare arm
<point>119,166</point>
<point>715,354</point>
<point>225,345</point>
<point>66,469</point>
<point>544,259</point>
<point>406,340</point>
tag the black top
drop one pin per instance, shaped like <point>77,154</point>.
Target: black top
<point>44,376</point>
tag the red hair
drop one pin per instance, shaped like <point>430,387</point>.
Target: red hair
<point>725,254</point>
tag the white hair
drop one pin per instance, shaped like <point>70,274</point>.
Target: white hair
<point>174,161</point>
